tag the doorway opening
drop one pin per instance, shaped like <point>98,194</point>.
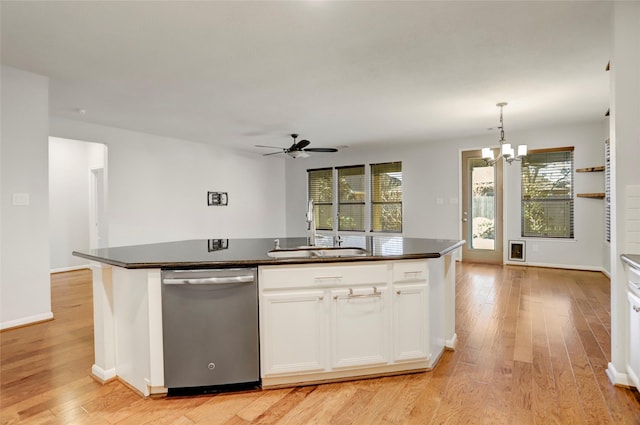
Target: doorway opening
<point>77,200</point>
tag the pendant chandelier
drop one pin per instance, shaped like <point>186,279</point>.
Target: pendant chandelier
<point>506,151</point>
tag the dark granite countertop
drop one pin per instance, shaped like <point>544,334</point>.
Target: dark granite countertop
<point>220,253</point>
<point>632,260</point>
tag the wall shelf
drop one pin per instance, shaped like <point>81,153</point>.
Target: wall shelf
<point>599,195</point>
<point>590,169</point>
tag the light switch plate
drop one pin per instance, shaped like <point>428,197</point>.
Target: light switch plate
<point>21,199</point>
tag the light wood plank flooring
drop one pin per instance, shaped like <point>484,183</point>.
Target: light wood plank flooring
<point>533,349</point>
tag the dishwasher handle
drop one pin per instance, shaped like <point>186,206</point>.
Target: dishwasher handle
<point>208,280</point>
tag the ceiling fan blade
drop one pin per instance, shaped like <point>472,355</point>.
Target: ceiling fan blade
<point>321,150</point>
<point>271,147</point>
<point>302,144</point>
<point>273,153</point>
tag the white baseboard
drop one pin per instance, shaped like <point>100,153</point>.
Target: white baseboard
<point>617,378</point>
<point>451,343</point>
<point>557,266</point>
<point>69,269</point>
<point>30,320</point>
<point>103,375</point>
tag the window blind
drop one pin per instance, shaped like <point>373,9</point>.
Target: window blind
<point>607,191</point>
<point>386,197</point>
<point>321,192</point>
<point>351,198</point>
<point>547,193</point>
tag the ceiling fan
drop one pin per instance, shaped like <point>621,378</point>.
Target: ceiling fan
<point>297,149</point>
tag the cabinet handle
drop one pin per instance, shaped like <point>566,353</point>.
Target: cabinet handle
<point>398,292</point>
<point>321,298</point>
<point>375,293</point>
<point>413,274</point>
<point>328,277</point>
<point>636,309</point>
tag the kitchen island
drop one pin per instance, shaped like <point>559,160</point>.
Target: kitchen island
<point>399,300</point>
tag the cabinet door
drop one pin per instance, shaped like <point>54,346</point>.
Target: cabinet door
<point>633,367</point>
<point>359,327</point>
<point>292,332</point>
<point>411,322</point>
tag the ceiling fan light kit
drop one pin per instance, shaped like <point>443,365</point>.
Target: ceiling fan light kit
<point>297,149</point>
<point>506,151</point>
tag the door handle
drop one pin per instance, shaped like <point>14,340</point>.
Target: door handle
<point>208,280</point>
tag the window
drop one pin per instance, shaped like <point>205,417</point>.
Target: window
<point>351,202</point>
<point>345,193</point>
<point>321,191</point>
<point>386,197</point>
<point>547,193</point>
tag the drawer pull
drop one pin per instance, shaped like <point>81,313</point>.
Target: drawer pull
<point>321,298</point>
<point>636,308</point>
<point>413,274</point>
<point>328,278</point>
<point>398,292</point>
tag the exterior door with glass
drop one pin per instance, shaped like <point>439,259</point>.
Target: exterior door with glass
<point>481,209</point>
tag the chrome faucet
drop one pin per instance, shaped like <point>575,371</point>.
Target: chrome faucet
<point>311,224</point>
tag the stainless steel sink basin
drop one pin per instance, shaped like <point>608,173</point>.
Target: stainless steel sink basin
<point>291,253</point>
<point>343,252</point>
<point>318,252</point>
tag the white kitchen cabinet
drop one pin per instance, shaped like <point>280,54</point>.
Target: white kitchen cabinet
<point>359,327</point>
<point>332,322</point>
<point>411,321</point>
<point>293,329</point>
<point>633,365</point>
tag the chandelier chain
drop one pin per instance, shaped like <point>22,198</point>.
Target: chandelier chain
<point>501,127</point>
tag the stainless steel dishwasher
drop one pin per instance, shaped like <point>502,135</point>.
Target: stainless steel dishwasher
<point>210,330</point>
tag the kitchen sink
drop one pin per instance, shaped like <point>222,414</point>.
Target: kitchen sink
<point>318,252</point>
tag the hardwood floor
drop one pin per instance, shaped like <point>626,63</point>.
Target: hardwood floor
<point>533,349</point>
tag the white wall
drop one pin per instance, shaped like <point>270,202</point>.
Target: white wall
<point>157,187</point>
<point>25,294</point>
<point>625,152</point>
<point>432,171</point>
<point>70,163</point>
<point>585,251</point>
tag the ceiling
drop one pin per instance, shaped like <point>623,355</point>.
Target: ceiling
<point>339,73</point>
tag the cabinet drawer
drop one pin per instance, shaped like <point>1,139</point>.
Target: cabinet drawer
<point>324,276</point>
<point>410,271</point>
